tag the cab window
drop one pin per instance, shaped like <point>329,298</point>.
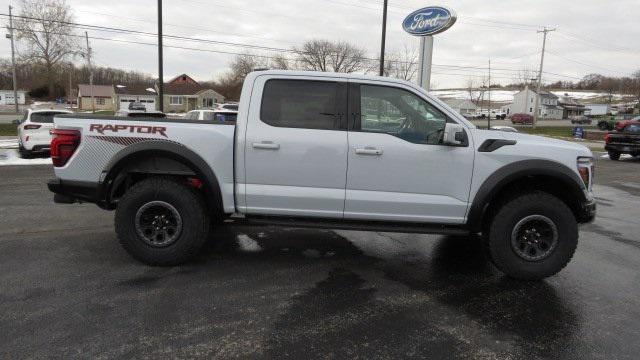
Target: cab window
<point>400,113</point>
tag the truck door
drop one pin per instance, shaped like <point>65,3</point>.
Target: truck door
<point>399,170</point>
<point>296,147</point>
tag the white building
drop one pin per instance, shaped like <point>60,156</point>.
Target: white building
<point>6,97</point>
<point>463,107</point>
<point>597,109</point>
<point>524,102</point>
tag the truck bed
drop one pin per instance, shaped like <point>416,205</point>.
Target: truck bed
<point>104,138</point>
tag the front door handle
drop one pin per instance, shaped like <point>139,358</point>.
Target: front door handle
<point>369,150</point>
<point>267,145</point>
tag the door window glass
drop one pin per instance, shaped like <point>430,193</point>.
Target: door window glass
<point>300,104</point>
<point>400,113</point>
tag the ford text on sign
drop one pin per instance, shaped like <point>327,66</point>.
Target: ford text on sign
<point>429,21</point>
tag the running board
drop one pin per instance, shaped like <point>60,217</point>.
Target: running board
<point>357,225</point>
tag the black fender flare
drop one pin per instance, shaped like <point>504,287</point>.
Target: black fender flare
<point>168,149</point>
<point>515,171</point>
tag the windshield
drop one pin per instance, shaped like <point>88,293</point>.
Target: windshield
<point>230,107</point>
<point>44,117</point>
<point>633,128</point>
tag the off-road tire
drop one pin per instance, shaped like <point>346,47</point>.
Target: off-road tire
<point>614,155</point>
<point>190,206</point>
<point>499,239</point>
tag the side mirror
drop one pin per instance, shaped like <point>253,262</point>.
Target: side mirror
<point>453,134</point>
<point>16,122</point>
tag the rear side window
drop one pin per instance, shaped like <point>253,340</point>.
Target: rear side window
<point>300,104</point>
<point>44,117</point>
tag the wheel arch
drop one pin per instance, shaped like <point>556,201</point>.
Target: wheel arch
<point>159,157</point>
<point>527,175</point>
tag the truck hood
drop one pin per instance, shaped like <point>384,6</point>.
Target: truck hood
<point>543,141</point>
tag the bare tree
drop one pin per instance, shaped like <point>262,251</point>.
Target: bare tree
<point>44,28</point>
<point>401,64</point>
<point>476,89</point>
<point>633,86</point>
<point>323,55</point>
<point>524,76</point>
<point>282,62</point>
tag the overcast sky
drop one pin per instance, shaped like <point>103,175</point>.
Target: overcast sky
<point>592,35</point>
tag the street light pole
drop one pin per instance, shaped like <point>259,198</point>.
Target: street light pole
<point>160,65</point>
<point>13,61</point>
<point>384,36</point>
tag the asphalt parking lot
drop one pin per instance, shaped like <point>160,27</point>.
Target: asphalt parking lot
<point>67,289</point>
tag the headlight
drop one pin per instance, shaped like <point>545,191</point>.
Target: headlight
<point>585,169</point>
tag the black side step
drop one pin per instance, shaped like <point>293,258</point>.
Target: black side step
<point>337,224</point>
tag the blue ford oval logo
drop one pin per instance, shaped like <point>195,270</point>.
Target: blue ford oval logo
<point>429,21</point>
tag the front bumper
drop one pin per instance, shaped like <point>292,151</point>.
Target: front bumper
<point>587,212</point>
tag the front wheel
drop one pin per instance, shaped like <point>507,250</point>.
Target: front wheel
<point>532,236</point>
<point>614,155</point>
<point>163,222</point>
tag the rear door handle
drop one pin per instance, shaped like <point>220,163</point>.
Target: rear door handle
<point>266,145</point>
<point>369,150</point>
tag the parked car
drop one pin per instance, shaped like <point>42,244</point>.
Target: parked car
<point>137,106</point>
<point>495,114</point>
<point>522,119</point>
<point>219,115</point>
<point>33,131</point>
<point>227,106</point>
<point>620,125</point>
<point>581,119</point>
<point>626,141</point>
<point>504,128</point>
<point>138,113</point>
<point>413,166</point>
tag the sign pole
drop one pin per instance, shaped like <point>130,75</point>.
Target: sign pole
<point>426,55</point>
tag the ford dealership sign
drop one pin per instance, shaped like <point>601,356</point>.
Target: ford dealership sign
<point>429,21</point>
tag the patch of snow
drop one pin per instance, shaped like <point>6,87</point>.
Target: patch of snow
<point>120,86</point>
<point>9,144</point>
<point>150,90</point>
<point>12,157</point>
<point>507,95</point>
<point>622,156</point>
<point>247,244</point>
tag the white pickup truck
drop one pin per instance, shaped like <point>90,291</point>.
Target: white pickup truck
<point>333,151</point>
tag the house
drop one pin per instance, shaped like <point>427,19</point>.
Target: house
<point>570,107</point>
<point>463,107</point>
<point>126,95</point>
<point>103,97</point>
<point>7,98</point>
<point>597,109</point>
<point>524,102</point>
<point>183,94</point>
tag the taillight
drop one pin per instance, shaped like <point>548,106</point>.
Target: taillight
<point>32,127</point>
<point>63,144</point>
<point>607,138</point>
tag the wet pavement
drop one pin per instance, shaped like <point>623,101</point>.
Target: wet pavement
<point>68,290</point>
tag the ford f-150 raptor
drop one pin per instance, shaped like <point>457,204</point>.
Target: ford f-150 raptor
<point>333,151</point>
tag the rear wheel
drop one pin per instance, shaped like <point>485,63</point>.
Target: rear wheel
<point>614,155</point>
<point>532,236</point>
<point>160,221</point>
<point>24,153</point>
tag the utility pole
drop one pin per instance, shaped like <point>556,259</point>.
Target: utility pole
<point>489,112</point>
<point>384,36</point>
<point>93,104</point>
<point>160,70</point>
<point>544,43</point>
<point>13,61</point>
